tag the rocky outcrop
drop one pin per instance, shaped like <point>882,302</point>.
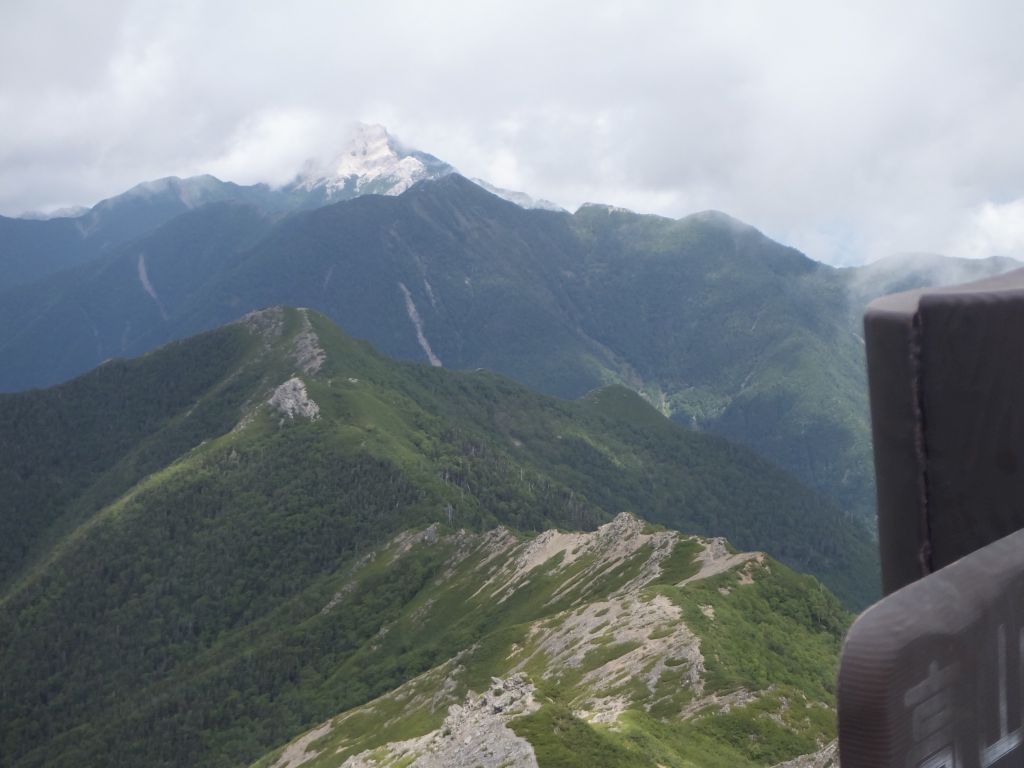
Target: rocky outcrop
<point>826,757</point>
<point>267,322</point>
<point>300,751</point>
<point>604,630</point>
<point>474,733</point>
<point>308,353</point>
<point>292,400</point>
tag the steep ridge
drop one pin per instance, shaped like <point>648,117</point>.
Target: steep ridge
<point>606,648</point>
<point>205,504</point>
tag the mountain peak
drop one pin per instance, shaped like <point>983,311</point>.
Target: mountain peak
<point>719,219</point>
<point>368,147</point>
<point>597,207</point>
<point>371,161</point>
<point>522,199</point>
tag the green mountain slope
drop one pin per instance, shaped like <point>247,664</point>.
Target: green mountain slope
<point>31,250</point>
<point>121,302</point>
<point>736,334</point>
<point>716,324</point>
<point>624,647</point>
<point>173,552</point>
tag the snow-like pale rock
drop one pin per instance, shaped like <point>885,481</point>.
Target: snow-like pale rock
<point>148,286</point>
<point>417,323</point>
<point>521,199</point>
<point>308,353</point>
<point>826,757</point>
<point>609,209</point>
<point>611,544</point>
<point>474,735</point>
<point>267,323</point>
<point>655,649</point>
<point>372,161</point>
<point>300,751</point>
<point>624,619</point>
<point>715,559</point>
<point>292,399</point>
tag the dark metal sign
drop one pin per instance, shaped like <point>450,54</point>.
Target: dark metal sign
<point>933,675</point>
<point>946,376</point>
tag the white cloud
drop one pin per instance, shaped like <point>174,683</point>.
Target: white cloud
<point>848,130</point>
<point>270,147</point>
<point>992,229</point>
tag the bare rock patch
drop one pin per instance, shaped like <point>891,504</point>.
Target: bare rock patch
<point>292,400</point>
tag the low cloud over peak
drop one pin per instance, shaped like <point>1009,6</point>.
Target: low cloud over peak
<point>850,132</point>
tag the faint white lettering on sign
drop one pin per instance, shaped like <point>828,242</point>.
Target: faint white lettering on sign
<point>1008,740</point>
<point>931,704</point>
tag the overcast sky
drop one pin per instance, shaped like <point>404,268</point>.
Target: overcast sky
<point>849,130</point>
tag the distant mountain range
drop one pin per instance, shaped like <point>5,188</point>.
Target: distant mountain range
<point>717,325</point>
<point>371,161</point>
<point>209,549</point>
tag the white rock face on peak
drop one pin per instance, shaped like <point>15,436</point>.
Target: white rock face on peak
<point>371,162</point>
<point>521,199</point>
<point>292,400</point>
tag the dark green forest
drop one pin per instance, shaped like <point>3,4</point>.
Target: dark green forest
<point>170,555</point>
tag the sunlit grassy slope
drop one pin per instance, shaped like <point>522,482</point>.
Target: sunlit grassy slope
<point>626,647</point>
